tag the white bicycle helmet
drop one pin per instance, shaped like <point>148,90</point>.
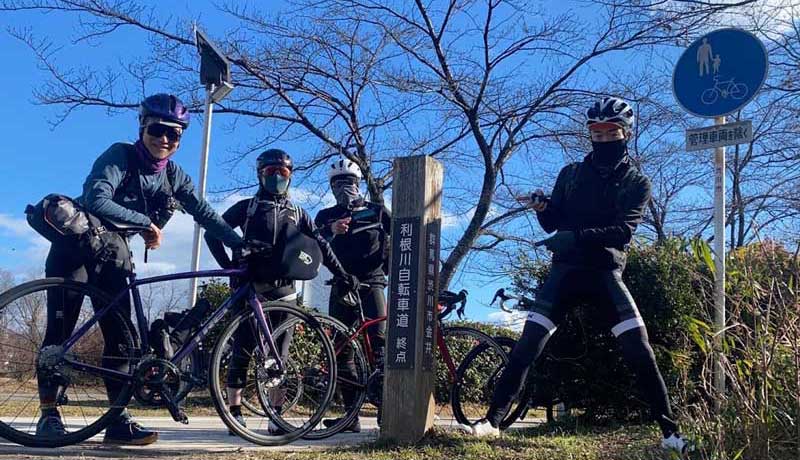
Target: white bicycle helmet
<point>344,167</point>
<point>610,111</point>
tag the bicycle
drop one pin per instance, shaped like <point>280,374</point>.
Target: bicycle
<point>725,89</point>
<point>531,395</point>
<point>78,369</point>
<point>453,342</point>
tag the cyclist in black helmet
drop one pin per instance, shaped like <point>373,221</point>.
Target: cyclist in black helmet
<point>135,184</point>
<point>594,209</point>
<point>267,217</point>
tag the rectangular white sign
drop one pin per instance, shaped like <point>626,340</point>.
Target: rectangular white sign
<point>709,137</point>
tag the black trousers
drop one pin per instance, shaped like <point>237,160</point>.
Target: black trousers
<point>605,289</point>
<point>70,260</point>
<point>244,339</point>
<point>373,302</point>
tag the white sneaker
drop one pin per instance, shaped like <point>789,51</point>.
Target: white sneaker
<point>485,429</point>
<point>675,443</point>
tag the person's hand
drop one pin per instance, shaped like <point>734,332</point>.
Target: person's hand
<point>536,200</point>
<point>349,281</point>
<point>341,226</point>
<point>152,237</point>
<point>560,242</point>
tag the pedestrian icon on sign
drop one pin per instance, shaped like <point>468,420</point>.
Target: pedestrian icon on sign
<point>704,53</point>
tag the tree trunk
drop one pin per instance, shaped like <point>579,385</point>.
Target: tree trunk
<point>472,232</point>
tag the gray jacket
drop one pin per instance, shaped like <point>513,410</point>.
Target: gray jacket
<point>111,193</point>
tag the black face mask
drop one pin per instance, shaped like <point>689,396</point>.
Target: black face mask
<point>607,156</point>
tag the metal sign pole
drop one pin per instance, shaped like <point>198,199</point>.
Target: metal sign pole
<point>201,192</point>
<point>719,261</point>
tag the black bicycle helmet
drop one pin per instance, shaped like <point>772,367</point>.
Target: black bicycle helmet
<point>274,157</point>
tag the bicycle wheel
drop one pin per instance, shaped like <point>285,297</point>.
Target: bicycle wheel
<point>355,384</point>
<point>476,379</point>
<point>309,360</point>
<point>74,380</point>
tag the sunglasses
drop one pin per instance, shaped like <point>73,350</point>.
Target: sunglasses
<point>159,130</point>
<point>273,170</point>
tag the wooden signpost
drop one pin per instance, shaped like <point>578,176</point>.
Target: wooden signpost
<point>410,373</point>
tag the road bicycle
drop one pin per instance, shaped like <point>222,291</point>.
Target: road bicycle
<point>535,393</point>
<point>366,384</point>
<point>80,371</point>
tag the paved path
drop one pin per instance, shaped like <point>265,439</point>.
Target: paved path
<point>203,435</point>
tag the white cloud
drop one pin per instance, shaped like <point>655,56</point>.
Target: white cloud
<point>29,255</point>
<point>453,220</point>
<point>514,320</point>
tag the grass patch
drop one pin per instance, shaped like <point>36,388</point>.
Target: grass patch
<point>548,442</point>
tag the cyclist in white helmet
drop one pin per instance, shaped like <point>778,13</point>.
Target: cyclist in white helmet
<point>594,208</point>
<point>358,231</point>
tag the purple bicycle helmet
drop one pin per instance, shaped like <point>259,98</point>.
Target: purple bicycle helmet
<point>166,107</point>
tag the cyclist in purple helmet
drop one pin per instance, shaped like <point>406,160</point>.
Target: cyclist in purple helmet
<point>129,185</point>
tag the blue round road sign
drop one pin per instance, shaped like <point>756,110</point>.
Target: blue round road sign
<point>720,73</point>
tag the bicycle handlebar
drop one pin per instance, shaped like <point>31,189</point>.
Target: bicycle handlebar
<point>501,294</point>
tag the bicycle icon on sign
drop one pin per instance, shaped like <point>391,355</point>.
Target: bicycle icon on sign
<point>725,89</point>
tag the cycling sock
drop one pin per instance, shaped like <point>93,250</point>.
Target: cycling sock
<point>48,411</point>
<point>236,410</point>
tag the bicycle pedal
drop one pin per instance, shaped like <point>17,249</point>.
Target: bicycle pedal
<point>176,412</point>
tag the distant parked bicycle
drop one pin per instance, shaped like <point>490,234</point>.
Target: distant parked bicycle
<point>76,366</point>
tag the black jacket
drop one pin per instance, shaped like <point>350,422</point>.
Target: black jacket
<point>268,219</point>
<point>603,212</point>
<point>363,254</point>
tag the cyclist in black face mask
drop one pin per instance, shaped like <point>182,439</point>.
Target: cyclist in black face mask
<point>268,217</point>
<point>594,209</point>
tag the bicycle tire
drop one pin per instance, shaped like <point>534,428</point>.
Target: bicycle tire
<point>129,339</point>
<point>362,377</point>
<point>461,388</point>
<point>328,357</point>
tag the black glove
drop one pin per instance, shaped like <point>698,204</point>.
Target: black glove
<point>349,282</point>
<point>561,242</point>
<point>248,249</point>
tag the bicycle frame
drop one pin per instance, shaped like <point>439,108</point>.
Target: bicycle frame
<point>365,324</point>
<point>246,290</point>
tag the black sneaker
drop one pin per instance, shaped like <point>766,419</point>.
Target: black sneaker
<point>354,426</point>
<point>50,426</point>
<point>240,420</point>
<point>127,432</point>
